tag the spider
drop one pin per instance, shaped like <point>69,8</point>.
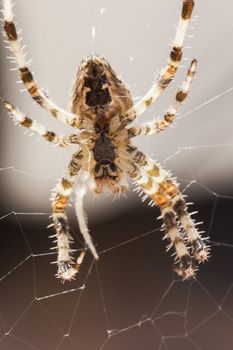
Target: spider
<point>102,110</point>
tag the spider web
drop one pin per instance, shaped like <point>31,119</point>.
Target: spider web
<point>130,299</point>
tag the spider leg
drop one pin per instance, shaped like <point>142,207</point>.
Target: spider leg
<point>183,260</point>
<point>199,249</point>
<point>164,192</point>
<point>169,187</point>
<point>41,130</point>
<point>80,192</point>
<point>169,71</point>
<point>160,125</point>
<point>67,269</point>
<point>26,75</point>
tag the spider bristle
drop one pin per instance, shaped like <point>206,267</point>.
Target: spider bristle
<point>193,213</point>
<point>169,247</point>
<point>205,238</point>
<point>11,58</point>
<point>53,248</point>
<point>144,198</point>
<point>201,232</point>
<point>198,224</point>
<point>52,236</point>
<point>177,259</point>
<point>29,62</point>
<point>175,255</point>
<point>136,189</point>
<point>53,262</point>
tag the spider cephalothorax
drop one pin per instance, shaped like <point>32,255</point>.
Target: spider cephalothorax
<point>101,111</point>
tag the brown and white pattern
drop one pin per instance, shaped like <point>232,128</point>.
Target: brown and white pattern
<point>50,136</point>
<point>160,125</point>
<point>163,191</point>
<point>168,73</point>
<point>12,35</point>
<point>101,109</point>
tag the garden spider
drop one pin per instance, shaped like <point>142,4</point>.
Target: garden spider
<point>102,110</point>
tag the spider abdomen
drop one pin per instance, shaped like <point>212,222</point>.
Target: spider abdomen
<point>98,95</point>
<point>97,86</point>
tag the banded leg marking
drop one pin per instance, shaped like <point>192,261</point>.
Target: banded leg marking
<point>183,259</point>
<point>41,130</point>
<point>164,192</point>
<point>149,176</point>
<point>67,269</point>
<point>200,250</point>
<point>25,73</point>
<point>169,72</point>
<point>160,125</point>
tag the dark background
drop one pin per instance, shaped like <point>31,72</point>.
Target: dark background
<point>130,299</point>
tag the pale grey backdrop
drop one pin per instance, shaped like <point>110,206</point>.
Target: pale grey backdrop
<point>134,37</point>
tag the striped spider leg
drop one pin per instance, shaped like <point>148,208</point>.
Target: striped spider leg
<point>50,136</point>
<point>25,74</point>
<point>160,125</point>
<point>158,185</point>
<point>168,73</point>
<point>67,268</point>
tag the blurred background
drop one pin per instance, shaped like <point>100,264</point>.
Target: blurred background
<point>131,298</point>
